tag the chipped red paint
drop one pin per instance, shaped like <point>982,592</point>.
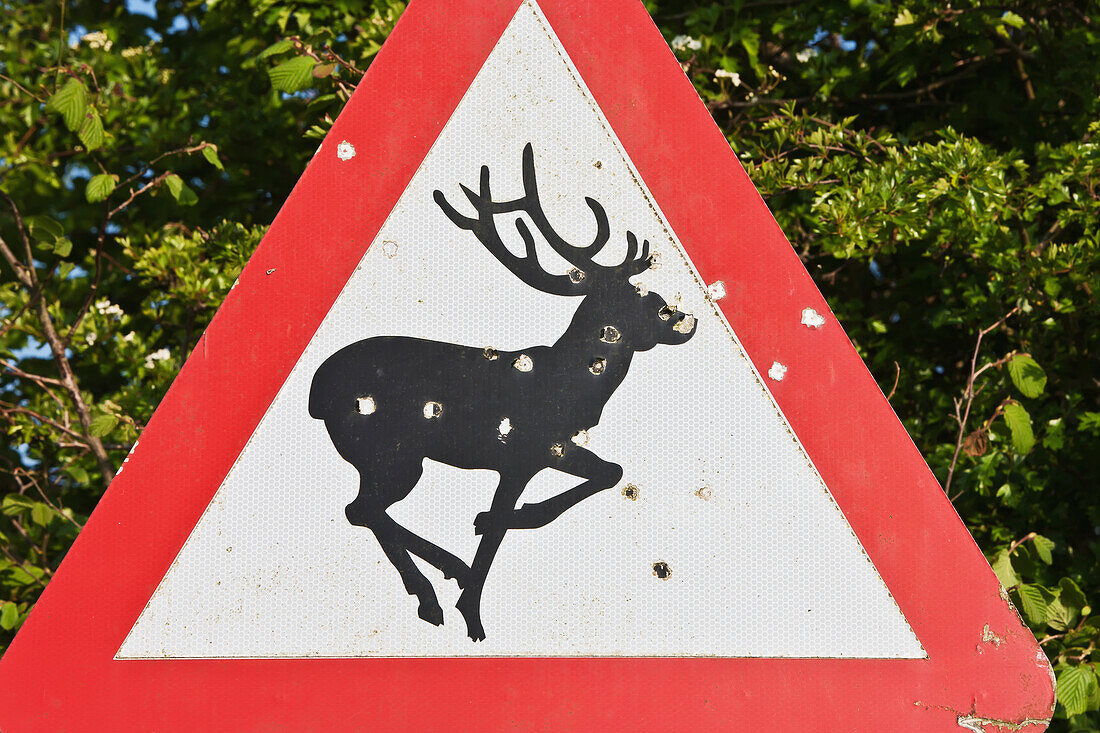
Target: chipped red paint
<point>60,674</point>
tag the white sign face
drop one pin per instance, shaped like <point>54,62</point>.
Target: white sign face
<point>720,539</point>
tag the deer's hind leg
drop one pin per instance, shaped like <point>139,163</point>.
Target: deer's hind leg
<point>377,491</point>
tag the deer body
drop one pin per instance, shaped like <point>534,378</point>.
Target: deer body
<point>476,390</point>
<point>390,402</point>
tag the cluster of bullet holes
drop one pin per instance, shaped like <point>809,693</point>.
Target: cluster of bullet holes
<point>662,570</point>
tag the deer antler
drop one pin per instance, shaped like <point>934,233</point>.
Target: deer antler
<point>630,265</point>
<point>484,228</point>
<point>580,257</point>
<point>528,268</point>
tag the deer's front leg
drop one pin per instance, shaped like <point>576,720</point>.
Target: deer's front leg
<point>577,461</point>
<point>469,602</point>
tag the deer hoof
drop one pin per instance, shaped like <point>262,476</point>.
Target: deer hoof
<point>431,612</point>
<point>487,521</point>
<point>468,607</point>
<point>458,573</point>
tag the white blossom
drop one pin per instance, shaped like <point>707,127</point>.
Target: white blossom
<point>733,76</point>
<point>129,53</point>
<point>806,54</point>
<point>128,337</point>
<point>686,43</point>
<point>97,39</point>
<point>107,308</point>
<point>89,338</point>
<point>158,355</point>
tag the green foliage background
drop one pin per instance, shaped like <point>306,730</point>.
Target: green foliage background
<point>934,163</point>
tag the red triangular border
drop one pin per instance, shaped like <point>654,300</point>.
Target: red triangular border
<point>60,674</point>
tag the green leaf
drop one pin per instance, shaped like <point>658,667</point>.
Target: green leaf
<point>1071,596</point>
<point>26,575</point>
<point>9,615</point>
<point>14,505</point>
<point>1075,686</point>
<point>210,152</point>
<point>78,473</point>
<point>63,247</point>
<point>103,424</point>
<point>1010,18</point>
<point>1027,375</point>
<point>100,187</point>
<point>91,130</point>
<point>1002,567</point>
<point>904,17</point>
<point>1058,616</point>
<point>1019,424</point>
<point>180,191</point>
<point>323,70</point>
<point>276,48</point>
<point>1033,604</point>
<point>1043,546</point>
<point>44,229</point>
<point>292,75</point>
<point>41,514</point>
<point>70,101</point>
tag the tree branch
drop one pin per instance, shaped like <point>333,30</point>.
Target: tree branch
<point>57,347</point>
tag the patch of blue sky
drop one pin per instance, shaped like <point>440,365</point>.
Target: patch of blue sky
<point>822,34</point>
<point>142,7</point>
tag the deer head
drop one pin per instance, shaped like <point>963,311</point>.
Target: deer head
<point>620,312</point>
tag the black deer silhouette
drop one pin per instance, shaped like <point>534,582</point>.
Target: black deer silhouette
<point>390,402</point>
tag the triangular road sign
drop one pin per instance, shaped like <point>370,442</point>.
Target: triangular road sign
<point>721,523</point>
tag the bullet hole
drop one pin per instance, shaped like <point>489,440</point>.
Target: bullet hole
<point>345,151</point>
<point>598,164</point>
<point>654,260</point>
<point>576,276</point>
<point>389,249</point>
<point>812,319</point>
<point>704,493</point>
<point>777,371</point>
<point>490,353</point>
<point>666,312</point>
<point>716,290</point>
<point>557,450</point>
<point>432,410</point>
<point>523,363</point>
<point>580,438</point>
<point>271,271</point>
<point>630,491</point>
<point>641,289</point>
<point>662,570</point>
<point>610,334</point>
<point>598,366</point>
<point>685,325</point>
<point>504,429</point>
<point>365,405</point>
